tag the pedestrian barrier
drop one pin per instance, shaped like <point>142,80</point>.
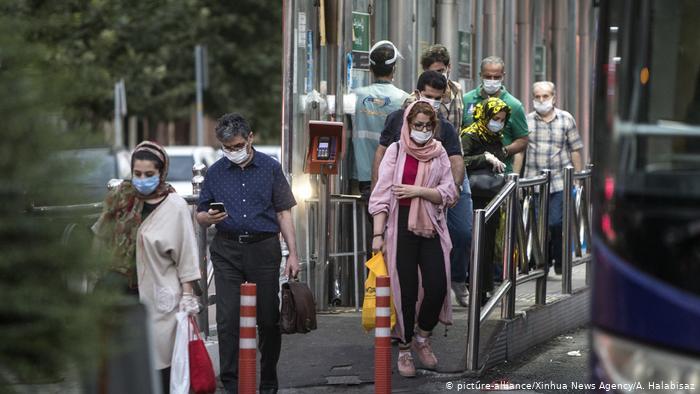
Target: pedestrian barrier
<point>382,338</point>
<point>247,348</point>
<point>525,249</point>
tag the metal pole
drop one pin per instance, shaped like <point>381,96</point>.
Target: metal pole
<point>355,255</point>
<point>401,26</point>
<point>118,138</point>
<point>478,41</point>
<point>199,77</point>
<point>542,227</point>
<point>198,172</point>
<point>567,202</point>
<point>587,194</point>
<point>559,48</point>
<point>524,49</point>
<point>509,267</point>
<point>474,323</point>
<point>491,27</point>
<point>287,84</point>
<point>447,14</point>
<point>322,232</point>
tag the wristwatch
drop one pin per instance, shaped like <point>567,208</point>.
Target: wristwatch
<point>459,187</point>
<point>505,151</point>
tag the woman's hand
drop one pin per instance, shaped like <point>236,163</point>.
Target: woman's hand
<point>498,166</point>
<point>378,244</point>
<point>407,191</point>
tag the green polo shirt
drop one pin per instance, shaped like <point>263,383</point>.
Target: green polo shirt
<point>517,123</point>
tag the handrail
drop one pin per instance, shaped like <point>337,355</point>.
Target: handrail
<point>529,230</point>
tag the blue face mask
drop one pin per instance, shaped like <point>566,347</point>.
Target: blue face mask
<point>146,186</point>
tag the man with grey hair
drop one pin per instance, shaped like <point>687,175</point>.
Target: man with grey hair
<point>515,131</point>
<point>254,206</point>
<point>554,144</point>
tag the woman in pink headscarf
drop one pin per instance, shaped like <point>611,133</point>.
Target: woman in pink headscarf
<point>414,188</point>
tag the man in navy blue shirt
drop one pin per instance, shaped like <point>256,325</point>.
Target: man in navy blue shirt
<point>431,87</point>
<point>257,201</point>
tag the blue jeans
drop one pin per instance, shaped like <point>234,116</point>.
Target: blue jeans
<point>554,222</point>
<point>459,224</point>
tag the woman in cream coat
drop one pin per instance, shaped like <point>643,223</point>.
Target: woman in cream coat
<point>150,231</point>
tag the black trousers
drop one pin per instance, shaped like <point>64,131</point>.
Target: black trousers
<point>235,263</point>
<point>412,253</point>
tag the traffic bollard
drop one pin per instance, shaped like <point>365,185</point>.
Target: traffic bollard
<point>382,338</point>
<point>247,344</point>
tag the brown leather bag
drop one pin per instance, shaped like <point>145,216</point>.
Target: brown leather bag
<point>298,314</point>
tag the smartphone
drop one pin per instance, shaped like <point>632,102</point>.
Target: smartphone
<point>217,206</point>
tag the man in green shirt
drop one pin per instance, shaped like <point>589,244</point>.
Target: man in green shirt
<point>516,131</point>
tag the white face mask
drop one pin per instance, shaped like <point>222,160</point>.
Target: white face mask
<point>433,103</point>
<point>544,107</point>
<point>491,86</point>
<point>237,157</point>
<point>421,137</point>
<point>495,126</point>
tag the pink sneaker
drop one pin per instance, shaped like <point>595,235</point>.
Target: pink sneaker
<point>405,364</point>
<point>425,353</point>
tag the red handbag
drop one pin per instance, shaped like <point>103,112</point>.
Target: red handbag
<point>202,379</point>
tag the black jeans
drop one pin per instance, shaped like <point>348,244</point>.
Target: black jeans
<point>414,252</point>
<point>235,263</point>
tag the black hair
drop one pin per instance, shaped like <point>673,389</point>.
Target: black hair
<point>146,155</point>
<point>433,79</point>
<point>434,54</point>
<point>379,56</point>
<point>231,125</point>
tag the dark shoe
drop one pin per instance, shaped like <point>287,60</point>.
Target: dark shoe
<point>268,391</point>
<point>557,270</point>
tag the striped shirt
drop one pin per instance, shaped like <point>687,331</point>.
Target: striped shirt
<point>550,146</point>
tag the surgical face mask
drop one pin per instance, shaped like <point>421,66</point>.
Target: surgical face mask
<point>433,103</point>
<point>146,186</point>
<point>495,126</point>
<point>491,86</point>
<point>421,137</point>
<point>544,107</point>
<point>237,156</point>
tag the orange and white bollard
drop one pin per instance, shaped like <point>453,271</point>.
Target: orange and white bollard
<point>247,345</point>
<point>382,338</point>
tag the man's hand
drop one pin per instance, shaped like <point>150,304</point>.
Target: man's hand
<point>407,191</point>
<point>291,269</point>
<point>211,217</point>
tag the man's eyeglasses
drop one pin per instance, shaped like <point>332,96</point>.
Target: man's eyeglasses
<point>423,126</point>
<point>234,148</point>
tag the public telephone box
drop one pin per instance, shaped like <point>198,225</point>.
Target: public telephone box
<point>325,147</point>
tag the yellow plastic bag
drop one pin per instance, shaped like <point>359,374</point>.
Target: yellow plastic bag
<point>376,267</point>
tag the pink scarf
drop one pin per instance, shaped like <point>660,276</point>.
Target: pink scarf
<point>418,219</point>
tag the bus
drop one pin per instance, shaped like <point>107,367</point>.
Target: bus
<point>646,197</point>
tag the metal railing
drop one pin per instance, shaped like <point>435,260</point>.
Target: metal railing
<point>525,247</point>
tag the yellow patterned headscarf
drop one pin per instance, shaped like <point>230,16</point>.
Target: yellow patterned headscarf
<point>483,113</point>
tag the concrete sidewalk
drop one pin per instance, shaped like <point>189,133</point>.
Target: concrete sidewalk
<point>339,355</point>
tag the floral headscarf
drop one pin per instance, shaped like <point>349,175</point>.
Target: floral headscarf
<point>483,113</point>
<point>121,214</point>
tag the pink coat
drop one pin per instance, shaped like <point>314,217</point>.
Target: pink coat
<point>382,200</point>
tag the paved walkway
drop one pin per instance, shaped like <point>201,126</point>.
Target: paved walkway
<point>339,355</point>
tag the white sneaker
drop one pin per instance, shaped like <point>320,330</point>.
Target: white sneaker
<point>461,293</point>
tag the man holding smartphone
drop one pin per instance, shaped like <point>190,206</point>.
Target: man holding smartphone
<point>257,202</point>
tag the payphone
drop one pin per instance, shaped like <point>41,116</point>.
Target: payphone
<point>325,147</point>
